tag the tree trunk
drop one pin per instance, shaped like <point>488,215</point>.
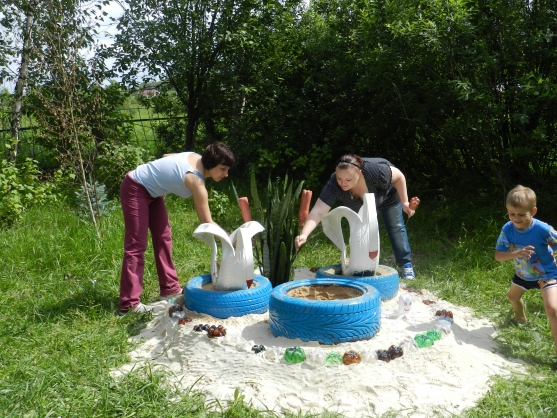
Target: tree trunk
<point>21,82</point>
<point>191,127</point>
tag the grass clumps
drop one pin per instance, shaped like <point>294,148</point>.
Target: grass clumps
<point>60,337</point>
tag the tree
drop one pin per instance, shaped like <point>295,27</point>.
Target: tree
<point>184,44</point>
<point>11,18</point>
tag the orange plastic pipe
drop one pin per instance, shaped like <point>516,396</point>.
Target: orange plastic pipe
<point>304,206</point>
<point>244,208</point>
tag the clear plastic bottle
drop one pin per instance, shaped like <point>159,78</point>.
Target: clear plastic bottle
<point>443,325</point>
<point>316,357</point>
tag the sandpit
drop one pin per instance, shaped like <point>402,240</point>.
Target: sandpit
<point>446,378</point>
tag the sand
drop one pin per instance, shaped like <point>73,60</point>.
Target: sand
<point>443,379</point>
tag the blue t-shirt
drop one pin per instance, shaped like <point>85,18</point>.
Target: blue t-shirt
<point>541,265</point>
<point>166,175</point>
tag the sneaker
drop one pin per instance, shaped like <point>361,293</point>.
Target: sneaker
<point>140,308</point>
<point>170,298</point>
<point>408,272</point>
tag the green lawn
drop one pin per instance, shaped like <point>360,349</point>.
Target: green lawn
<point>59,336</point>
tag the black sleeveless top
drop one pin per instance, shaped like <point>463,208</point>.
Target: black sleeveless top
<point>377,175</point>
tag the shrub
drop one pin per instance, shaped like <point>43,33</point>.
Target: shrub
<point>115,161</point>
<point>20,188</point>
<point>99,201</point>
<point>220,206</point>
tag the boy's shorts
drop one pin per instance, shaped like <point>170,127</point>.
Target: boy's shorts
<point>533,284</point>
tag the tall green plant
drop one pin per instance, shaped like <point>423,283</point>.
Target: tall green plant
<point>20,188</point>
<point>275,251</point>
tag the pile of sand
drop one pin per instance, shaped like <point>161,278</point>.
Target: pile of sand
<point>447,377</point>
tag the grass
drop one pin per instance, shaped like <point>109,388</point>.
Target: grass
<point>59,337</point>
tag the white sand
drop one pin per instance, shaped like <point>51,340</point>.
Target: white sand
<point>446,378</point>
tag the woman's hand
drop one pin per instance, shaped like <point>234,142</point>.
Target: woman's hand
<point>407,210</point>
<point>299,241</point>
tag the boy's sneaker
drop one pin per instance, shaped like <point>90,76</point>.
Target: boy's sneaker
<point>140,308</point>
<point>408,272</point>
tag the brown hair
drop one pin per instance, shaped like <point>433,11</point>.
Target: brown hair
<point>350,159</point>
<point>521,197</point>
<point>217,153</point>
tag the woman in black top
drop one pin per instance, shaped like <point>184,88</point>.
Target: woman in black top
<point>355,176</point>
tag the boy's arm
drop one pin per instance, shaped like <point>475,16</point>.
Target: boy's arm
<point>525,252</point>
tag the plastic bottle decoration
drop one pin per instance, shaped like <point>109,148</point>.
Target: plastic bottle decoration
<point>363,240</point>
<point>444,321</point>
<point>333,359</point>
<point>351,357</point>
<point>404,307</point>
<point>316,357</point>
<point>433,334</point>
<point>258,348</point>
<point>423,341</point>
<point>236,267</point>
<point>294,355</point>
<point>383,355</point>
<point>409,345</point>
<point>428,338</point>
<point>176,311</point>
<point>369,356</point>
<point>395,352</point>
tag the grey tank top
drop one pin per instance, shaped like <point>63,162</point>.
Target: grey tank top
<point>166,175</point>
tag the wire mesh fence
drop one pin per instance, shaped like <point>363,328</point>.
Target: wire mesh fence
<point>141,121</point>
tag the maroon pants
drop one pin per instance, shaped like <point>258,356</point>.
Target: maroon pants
<point>142,213</point>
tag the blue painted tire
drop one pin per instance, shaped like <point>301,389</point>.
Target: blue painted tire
<point>330,321</point>
<point>226,303</point>
<point>386,282</point>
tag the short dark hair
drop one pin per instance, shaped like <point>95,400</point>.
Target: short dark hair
<point>217,153</point>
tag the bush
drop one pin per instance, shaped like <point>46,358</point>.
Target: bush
<point>99,201</point>
<point>170,137</point>
<point>220,206</point>
<point>115,161</point>
<point>20,188</point>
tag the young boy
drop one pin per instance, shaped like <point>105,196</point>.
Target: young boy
<point>530,243</point>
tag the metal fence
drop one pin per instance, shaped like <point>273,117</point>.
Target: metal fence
<point>141,120</point>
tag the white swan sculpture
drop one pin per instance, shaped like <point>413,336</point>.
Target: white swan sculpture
<point>236,267</point>
<point>364,236</point>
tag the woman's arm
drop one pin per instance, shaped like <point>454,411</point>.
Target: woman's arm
<point>200,197</point>
<point>399,181</point>
<point>319,210</point>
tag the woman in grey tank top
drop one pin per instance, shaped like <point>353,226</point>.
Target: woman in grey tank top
<point>142,196</point>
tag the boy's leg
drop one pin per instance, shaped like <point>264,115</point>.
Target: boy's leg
<point>515,297</point>
<point>550,302</point>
